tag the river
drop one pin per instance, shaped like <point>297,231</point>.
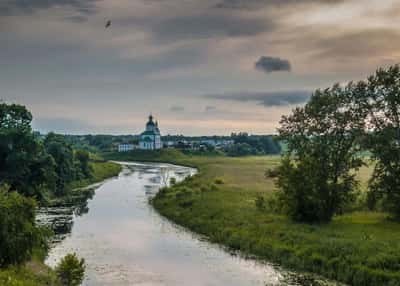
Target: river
<point>124,241</point>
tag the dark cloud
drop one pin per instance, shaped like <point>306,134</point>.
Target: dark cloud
<point>209,26</point>
<point>268,99</point>
<point>270,64</point>
<point>76,18</point>
<point>177,108</point>
<point>16,7</point>
<point>255,4</point>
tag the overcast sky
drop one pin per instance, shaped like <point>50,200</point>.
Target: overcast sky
<point>200,66</point>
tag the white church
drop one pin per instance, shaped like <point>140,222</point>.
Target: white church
<point>150,139</point>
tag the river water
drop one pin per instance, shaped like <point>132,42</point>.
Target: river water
<point>124,241</point>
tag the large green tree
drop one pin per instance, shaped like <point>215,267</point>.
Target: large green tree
<point>63,156</point>
<point>323,139</point>
<point>383,98</point>
<point>83,169</point>
<point>24,163</point>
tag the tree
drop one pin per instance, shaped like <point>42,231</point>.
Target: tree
<point>18,231</point>
<point>71,270</point>
<point>24,164</point>
<point>63,156</point>
<point>323,139</point>
<point>83,168</point>
<point>383,141</point>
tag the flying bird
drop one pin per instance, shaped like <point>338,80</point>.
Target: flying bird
<point>108,24</point>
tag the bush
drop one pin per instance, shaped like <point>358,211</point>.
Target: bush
<point>19,234</point>
<point>172,181</point>
<point>71,270</point>
<point>260,203</point>
<point>272,173</point>
<point>219,181</point>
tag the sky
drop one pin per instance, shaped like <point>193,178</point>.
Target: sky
<point>201,67</point>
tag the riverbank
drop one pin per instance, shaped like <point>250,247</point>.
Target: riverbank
<point>358,248</point>
<point>35,272</point>
<point>101,170</point>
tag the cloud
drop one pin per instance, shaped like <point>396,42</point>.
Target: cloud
<point>210,25</point>
<point>267,99</point>
<point>210,108</point>
<point>16,7</point>
<point>60,125</point>
<point>176,108</point>
<point>362,44</point>
<point>255,4</point>
<point>270,64</point>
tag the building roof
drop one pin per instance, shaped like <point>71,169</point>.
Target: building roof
<point>147,139</point>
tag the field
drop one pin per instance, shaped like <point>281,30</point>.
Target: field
<point>358,248</point>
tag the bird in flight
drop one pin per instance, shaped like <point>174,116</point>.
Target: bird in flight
<point>108,24</point>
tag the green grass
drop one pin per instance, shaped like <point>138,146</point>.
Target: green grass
<point>358,248</point>
<point>33,273</point>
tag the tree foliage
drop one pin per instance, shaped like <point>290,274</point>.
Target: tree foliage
<point>82,167</point>
<point>63,156</point>
<point>383,142</point>
<point>71,270</point>
<point>323,139</point>
<point>24,164</point>
<point>245,144</point>
<point>18,231</point>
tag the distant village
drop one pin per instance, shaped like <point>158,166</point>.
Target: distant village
<point>150,139</point>
<point>237,144</point>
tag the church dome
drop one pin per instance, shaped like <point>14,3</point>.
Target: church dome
<point>150,122</point>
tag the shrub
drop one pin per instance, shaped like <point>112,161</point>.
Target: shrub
<point>219,181</point>
<point>71,270</point>
<point>272,173</point>
<point>172,181</point>
<point>214,188</point>
<point>260,203</point>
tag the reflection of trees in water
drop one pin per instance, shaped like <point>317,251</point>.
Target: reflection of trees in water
<point>165,173</point>
<point>60,218</point>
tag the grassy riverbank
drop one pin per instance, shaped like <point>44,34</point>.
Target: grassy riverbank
<point>358,248</point>
<point>101,171</point>
<point>35,272</point>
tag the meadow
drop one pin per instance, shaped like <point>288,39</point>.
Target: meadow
<point>222,202</point>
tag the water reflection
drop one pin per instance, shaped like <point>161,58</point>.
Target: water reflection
<point>60,219</point>
<point>125,242</point>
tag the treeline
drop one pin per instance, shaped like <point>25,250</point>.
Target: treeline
<point>32,170</point>
<point>324,141</point>
<point>245,144</point>
<point>100,142</point>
